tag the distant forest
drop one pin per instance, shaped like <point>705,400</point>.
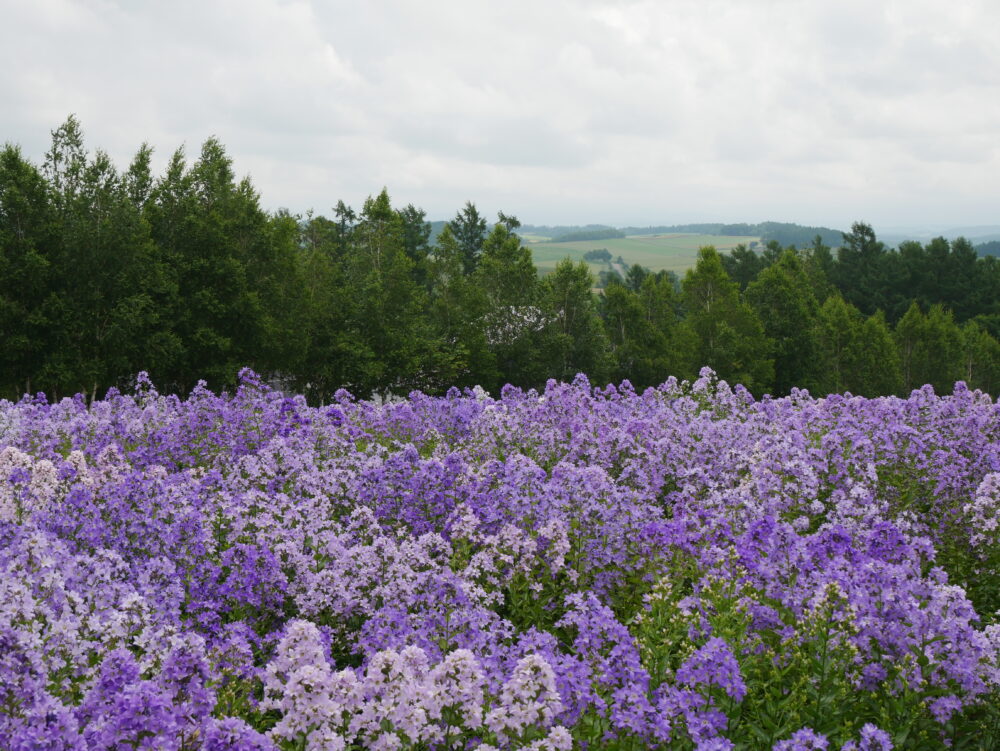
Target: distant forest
<point>991,248</point>
<point>105,273</point>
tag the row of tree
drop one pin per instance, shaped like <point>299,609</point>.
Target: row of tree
<point>872,276</point>
<point>824,343</point>
<point>104,273</point>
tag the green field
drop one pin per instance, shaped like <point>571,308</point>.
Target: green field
<point>530,238</point>
<point>675,253</point>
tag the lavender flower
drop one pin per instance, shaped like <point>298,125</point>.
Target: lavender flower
<point>584,564</point>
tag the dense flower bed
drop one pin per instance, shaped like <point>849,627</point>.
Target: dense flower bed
<point>593,568</point>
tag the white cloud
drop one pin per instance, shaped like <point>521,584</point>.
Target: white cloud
<point>557,110</point>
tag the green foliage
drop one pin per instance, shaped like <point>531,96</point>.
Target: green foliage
<point>874,366</point>
<point>930,349</point>
<point>980,358</point>
<point>514,321</point>
<point>27,236</point>
<point>602,255</point>
<point>577,340</point>
<point>721,331</point>
<point>782,298</point>
<point>861,269</point>
<point>102,292</point>
<point>104,273</point>
<point>232,267</point>
<point>809,680</point>
<point>469,229</point>
<point>635,276</point>
<point>416,240</point>
<point>457,309</point>
<point>743,264</point>
<point>817,261</point>
<point>641,331</point>
<point>839,326</point>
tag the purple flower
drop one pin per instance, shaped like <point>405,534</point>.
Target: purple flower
<point>805,739</point>
<point>231,734</point>
<point>944,707</point>
<point>713,664</point>
<point>872,739</point>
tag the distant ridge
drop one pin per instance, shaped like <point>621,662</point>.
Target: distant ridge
<point>977,235</point>
<point>603,233</point>
<point>991,248</point>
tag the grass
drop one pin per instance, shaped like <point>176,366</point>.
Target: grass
<point>675,253</point>
<point>531,238</point>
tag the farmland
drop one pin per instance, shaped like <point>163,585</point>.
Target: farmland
<point>671,252</point>
<point>579,568</point>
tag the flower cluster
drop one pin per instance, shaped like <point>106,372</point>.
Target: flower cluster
<point>578,568</point>
<point>400,699</point>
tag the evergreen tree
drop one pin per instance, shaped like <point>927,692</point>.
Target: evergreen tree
<point>103,273</point>
<point>105,292</point>
<point>838,327</point>
<point>743,265</point>
<point>631,339</point>
<point>930,349</point>
<point>391,307</point>
<point>576,339</point>
<point>277,276</point>
<point>980,358</point>
<point>346,219</point>
<point>817,261</point>
<point>514,319</point>
<point>469,229</point>
<point>771,253</point>
<point>640,330</point>
<point>860,271</point>
<point>943,350</point>
<point>725,334</point>
<point>336,355</point>
<point>458,308</point>
<point>970,287</point>
<point>873,362</point>
<point>942,273</point>
<point>234,269</point>
<point>909,336</point>
<point>635,276</point>
<point>659,301</point>
<point>783,300</point>
<point>27,238</point>
<point>416,240</point>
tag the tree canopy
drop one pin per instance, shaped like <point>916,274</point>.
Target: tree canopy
<point>105,272</point>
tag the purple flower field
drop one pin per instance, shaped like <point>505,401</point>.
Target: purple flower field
<point>685,568</point>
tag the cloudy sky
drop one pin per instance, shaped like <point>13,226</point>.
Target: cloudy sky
<point>558,111</point>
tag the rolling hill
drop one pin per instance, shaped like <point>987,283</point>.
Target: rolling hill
<point>675,252</point>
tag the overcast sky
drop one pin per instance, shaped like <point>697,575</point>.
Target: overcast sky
<point>557,111</point>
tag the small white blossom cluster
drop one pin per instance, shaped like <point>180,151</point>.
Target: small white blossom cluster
<point>509,553</point>
<point>401,700</point>
<point>983,514</point>
<point>529,698</point>
<point>26,486</point>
